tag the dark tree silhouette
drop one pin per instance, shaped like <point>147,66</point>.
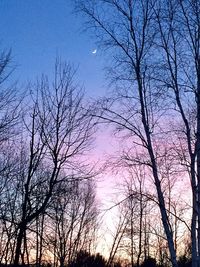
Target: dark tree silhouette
<point>85,259</point>
<point>58,131</point>
<point>149,262</point>
<point>128,30</point>
<point>155,67</point>
<point>184,261</point>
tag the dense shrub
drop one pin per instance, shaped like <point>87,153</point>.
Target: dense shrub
<point>149,262</point>
<point>85,259</point>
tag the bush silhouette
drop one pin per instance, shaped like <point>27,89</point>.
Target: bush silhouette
<point>85,259</point>
<point>149,262</point>
<point>184,261</point>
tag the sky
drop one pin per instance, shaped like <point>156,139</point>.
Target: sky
<point>38,31</point>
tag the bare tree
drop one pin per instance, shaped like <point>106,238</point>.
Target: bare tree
<point>73,218</point>
<point>137,204</point>
<point>10,111</point>
<point>59,130</point>
<point>117,237</point>
<point>9,99</point>
<point>127,28</point>
<point>178,23</point>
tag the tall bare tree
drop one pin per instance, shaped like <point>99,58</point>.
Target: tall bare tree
<point>58,130</point>
<point>10,110</point>
<point>178,24</point>
<point>127,29</point>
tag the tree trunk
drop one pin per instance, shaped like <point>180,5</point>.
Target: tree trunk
<point>198,160</point>
<point>161,201</point>
<point>140,229</point>
<point>22,229</point>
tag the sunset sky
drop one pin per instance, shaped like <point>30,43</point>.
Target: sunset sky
<point>146,130</point>
<point>39,31</point>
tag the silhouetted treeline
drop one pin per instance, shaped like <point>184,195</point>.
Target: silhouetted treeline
<point>85,259</point>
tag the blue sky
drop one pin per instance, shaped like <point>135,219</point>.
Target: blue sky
<point>39,30</point>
